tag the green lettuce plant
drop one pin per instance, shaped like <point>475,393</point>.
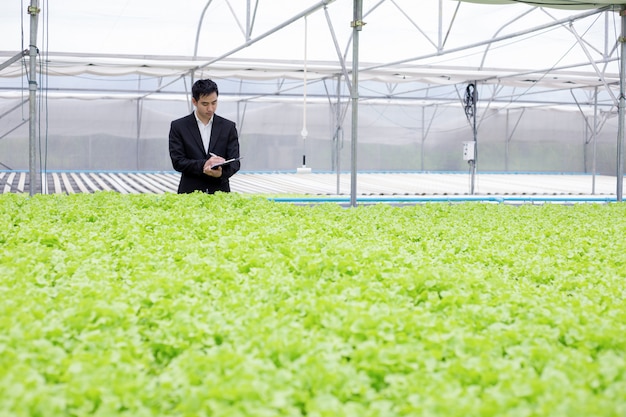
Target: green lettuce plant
<point>232,305</point>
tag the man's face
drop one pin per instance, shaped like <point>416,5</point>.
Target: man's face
<point>205,106</point>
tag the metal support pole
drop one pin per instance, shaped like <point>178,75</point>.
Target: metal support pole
<point>471,97</point>
<point>621,106</point>
<point>357,25</point>
<point>33,11</point>
<point>475,134</point>
<point>595,142</point>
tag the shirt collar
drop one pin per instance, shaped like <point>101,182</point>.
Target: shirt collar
<point>200,122</point>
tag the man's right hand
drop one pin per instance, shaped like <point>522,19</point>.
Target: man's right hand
<point>217,172</point>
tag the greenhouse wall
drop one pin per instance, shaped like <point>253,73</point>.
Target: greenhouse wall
<point>131,135</point>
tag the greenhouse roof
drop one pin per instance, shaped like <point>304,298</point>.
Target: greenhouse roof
<point>432,42</point>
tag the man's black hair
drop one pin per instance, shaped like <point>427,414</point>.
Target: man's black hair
<point>203,88</point>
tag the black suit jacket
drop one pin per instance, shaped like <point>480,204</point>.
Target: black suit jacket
<point>188,154</point>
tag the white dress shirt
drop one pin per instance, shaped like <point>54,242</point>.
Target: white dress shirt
<point>205,131</point>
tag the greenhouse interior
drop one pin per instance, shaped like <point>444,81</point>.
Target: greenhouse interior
<point>385,97</point>
<point>427,221</point>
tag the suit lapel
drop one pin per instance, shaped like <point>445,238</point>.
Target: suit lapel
<point>195,132</point>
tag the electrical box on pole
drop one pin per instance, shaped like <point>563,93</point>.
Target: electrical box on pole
<point>468,150</point>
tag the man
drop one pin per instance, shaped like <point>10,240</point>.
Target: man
<point>201,140</point>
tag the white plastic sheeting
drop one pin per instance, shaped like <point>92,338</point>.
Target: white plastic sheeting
<point>109,67</point>
<point>430,41</point>
<point>557,4</point>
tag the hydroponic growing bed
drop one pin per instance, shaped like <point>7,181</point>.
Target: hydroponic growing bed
<point>231,305</point>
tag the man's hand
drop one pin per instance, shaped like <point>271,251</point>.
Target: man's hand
<point>217,172</point>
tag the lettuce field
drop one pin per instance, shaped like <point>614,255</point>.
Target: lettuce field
<point>232,305</point>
